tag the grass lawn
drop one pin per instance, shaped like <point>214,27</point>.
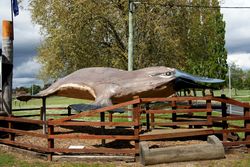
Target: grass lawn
<point>18,160</point>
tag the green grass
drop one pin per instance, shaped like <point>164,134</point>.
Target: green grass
<point>18,160</point>
<point>14,160</point>
<point>50,102</point>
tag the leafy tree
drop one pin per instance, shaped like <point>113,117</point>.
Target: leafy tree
<point>237,77</point>
<point>34,89</point>
<point>247,80</point>
<point>206,46</point>
<point>87,33</point>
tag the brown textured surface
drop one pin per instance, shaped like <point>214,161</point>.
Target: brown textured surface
<point>110,85</point>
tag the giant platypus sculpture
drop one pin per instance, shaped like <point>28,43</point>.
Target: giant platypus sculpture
<point>107,86</point>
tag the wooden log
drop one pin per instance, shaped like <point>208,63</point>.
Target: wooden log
<point>212,150</point>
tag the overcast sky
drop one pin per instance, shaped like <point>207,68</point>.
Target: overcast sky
<point>27,39</point>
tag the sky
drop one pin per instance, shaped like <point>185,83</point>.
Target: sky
<point>28,38</point>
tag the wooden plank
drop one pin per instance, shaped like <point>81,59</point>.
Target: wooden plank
<point>232,130</point>
<point>146,100</point>
<point>91,112</point>
<point>26,109</point>
<point>232,118</point>
<point>32,109</point>
<point>235,143</point>
<point>184,107</point>
<point>231,101</point>
<point>178,111</point>
<point>87,136</point>
<point>175,134</point>
<point>24,145</point>
<point>75,123</point>
<point>23,132</point>
<point>57,108</point>
<point>36,115</point>
<point>13,119</point>
<point>97,150</point>
<point>205,123</point>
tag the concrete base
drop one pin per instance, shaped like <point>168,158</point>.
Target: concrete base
<point>212,150</point>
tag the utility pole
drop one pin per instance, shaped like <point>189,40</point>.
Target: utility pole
<point>131,35</point>
<point>130,46</point>
<point>229,87</point>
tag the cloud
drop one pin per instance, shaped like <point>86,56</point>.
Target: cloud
<point>237,26</point>
<point>28,38</point>
<point>240,59</point>
<point>27,69</point>
<point>25,74</point>
<point>26,82</point>
<point>26,41</point>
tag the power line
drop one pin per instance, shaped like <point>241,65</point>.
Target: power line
<point>172,5</point>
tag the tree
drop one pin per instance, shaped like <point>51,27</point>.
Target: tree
<point>206,46</point>
<point>237,77</point>
<point>247,80</point>
<point>34,89</point>
<point>87,33</point>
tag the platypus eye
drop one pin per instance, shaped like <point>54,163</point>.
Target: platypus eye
<point>163,75</point>
<point>168,73</point>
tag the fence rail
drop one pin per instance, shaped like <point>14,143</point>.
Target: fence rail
<point>177,117</point>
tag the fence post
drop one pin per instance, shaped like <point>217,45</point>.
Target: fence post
<point>44,115</point>
<point>224,115</point>
<point>174,116</point>
<point>190,114</point>
<point>69,111</point>
<point>51,143</point>
<point>147,117</point>
<point>110,117</point>
<point>209,113</point>
<point>102,118</point>
<point>247,124</point>
<point>41,113</point>
<point>11,135</point>
<point>152,117</point>
<point>136,120</point>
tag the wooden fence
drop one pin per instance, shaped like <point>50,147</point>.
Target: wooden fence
<point>152,119</point>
